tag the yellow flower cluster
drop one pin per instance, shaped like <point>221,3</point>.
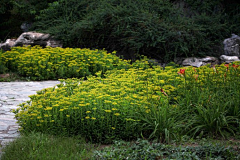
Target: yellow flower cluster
<point>53,63</point>
<point>108,101</point>
<point>106,105</point>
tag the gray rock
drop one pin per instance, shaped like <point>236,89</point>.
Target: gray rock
<point>197,62</point>
<point>232,45</point>
<point>34,38</point>
<point>210,60</point>
<point>8,44</point>
<point>31,38</point>
<point>228,59</point>
<point>192,61</point>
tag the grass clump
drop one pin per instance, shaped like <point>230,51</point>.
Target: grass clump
<point>42,147</point>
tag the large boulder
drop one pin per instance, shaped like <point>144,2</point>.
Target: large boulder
<point>31,38</point>
<point>232,45</point>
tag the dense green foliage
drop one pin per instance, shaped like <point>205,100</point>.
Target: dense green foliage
<point>155,28</point>
<point>126,101</point>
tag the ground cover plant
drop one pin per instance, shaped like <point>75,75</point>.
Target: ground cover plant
<point>144,150</point>
<point>42,146</point>
<point>39,63</point>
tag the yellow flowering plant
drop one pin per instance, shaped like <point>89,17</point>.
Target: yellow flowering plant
<point>52,63</point>
<point>94,106</point>
<point>119,100</point>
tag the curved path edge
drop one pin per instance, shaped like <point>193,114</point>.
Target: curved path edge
<point>11,95</point>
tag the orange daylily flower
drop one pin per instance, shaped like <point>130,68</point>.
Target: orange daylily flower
<point>235,66</point>
<point>227,65</point>
<point>195,69</point>
<point>182,72</point>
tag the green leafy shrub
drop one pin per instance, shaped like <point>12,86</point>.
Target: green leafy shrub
<point>53,63</point>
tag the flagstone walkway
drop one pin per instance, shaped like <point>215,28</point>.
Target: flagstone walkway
<point>12,94</point>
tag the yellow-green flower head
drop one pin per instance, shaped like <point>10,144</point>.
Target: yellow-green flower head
<point>48,108</point>
<point>87,117</point>
<point>108,111</point>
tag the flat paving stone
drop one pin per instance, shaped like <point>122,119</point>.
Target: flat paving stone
<point>11,95</point>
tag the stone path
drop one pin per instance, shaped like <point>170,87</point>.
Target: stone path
<point>12,94</point>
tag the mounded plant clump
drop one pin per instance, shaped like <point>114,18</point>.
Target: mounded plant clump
<point>53,63</point>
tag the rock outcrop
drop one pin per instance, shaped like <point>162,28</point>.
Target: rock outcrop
<point>31,38</point>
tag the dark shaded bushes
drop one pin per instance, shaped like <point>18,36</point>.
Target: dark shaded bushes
<point>155,28</point>
<point>158,29</point>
